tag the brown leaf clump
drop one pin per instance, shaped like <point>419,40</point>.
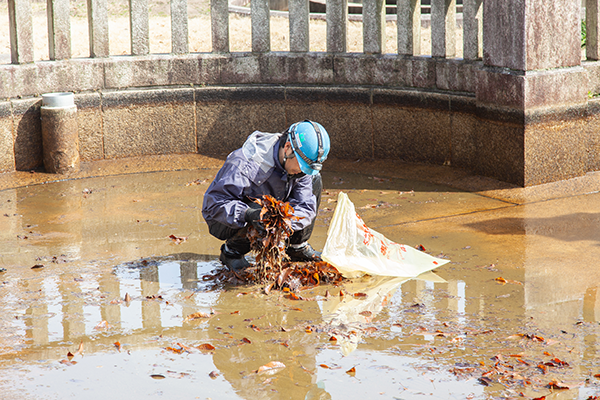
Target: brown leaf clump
<point>273,267</point>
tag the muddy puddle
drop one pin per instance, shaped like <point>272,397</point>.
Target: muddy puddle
<point>105,295</point>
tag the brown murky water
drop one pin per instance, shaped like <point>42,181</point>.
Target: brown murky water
<point>459,333</point>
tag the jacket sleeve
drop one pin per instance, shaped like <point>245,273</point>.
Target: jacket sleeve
<point>223,200</point>
<point>304,202</point>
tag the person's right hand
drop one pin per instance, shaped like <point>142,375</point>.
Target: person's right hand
<point>252,216</point>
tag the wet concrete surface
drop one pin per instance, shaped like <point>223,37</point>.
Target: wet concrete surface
<point>520,292</point>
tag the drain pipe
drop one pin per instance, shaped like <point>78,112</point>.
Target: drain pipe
<point>59,133</point>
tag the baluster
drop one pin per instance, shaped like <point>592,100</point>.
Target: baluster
<point>219,14</point>
<point>179,27</point>
<point>98,27</point>
<point>409,27</point>
<point>443,28</point>
<point>21,31</point>
<point>299,40</point>
<point>472,29</point>
<point>374,26</point>
<point>592,46</point>
<point>59,29</point>
<point>337,25</point>
<point>261,31</point>
<point>139,22</point>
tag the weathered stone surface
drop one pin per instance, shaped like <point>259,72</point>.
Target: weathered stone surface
<point>411,134</point>
<point>148,122</point>
<point>162,70</point>
<point>59,29</point>
<point>89,121</point>
<point>292,68</point>
<point>531,34</point>
<point>226,116</point>
<point>593,74</point>
<point>337,25</point>
<point>409,27</point>
<point>500,151</point>
<point>27,133</point>
<point>240,68</point>
<point>536,89</point>
<point>385,70</point>
<point>139,23</point>
<point>348,125</point>
<point>98,24</point>
<point>456,75</point>
<point>7,154</point>
<point>593,135</point>
<point>261,26</point>
<point>298,16</point>
<point>350,137</point>
<point>70,76</point>
<point>373,26</point>
<point>219,16</point>
<point>423,72</point>
<point>60,139</point>
<point>179,27</point>
<point>443,28</point>
<point>21,31</point>
<point>555,151</point>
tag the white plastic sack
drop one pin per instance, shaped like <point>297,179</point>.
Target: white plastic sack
<point>355,249</point>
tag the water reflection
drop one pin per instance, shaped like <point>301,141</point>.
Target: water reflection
<point>405,338</point>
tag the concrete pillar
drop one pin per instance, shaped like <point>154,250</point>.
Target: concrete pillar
<point>409,27</point>
<point>374,26</point>
<point>299,40</point>
<point>592,46</point>
<point>443,28</point>
<point>139,24</point>
<point>60,140</point>
<point>529,88</point>
<point>219,15</point>
<point>59,29</point>
<point>21,31</point>
<point>261,22</point>
<point>179,27</point>
<point>472,29</point>
<point>337,25</point>
<point>98,27</point>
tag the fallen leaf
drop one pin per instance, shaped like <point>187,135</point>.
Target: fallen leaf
<point>213,375</point>
<point>324,366</point>
<point>178,240</point>
<point>118,346</point>
<point>175,350</point>
<point>67,362</point>
<point>206,347</point>
<point>235,312</point>
<point>420,247</point>
<point>501,280</point>
<point>196,315</point>
<point>38,266</point>
<point>255,328</point>
<point>360,295</point>
<point>70,356</point>
<point>308,329</point>
<point>366,313</point>
<point>157,376</point>
<point>351,371</point>
<point>246,340</point>
<point>333,339</point>
<point>127,298</point>
<point>554,384</point>
<point>197,182</point>
<point>271,366</point>
<point>80,349</point>
<point>269,287</point>
<point>102,325</point>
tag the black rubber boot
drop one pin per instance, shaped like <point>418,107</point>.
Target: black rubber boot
<point>304,253</point>
<point>233,260</point>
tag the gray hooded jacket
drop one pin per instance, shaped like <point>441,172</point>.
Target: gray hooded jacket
<point>251,172</point>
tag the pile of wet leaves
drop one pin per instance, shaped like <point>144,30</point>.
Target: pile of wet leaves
<point>272,266</point>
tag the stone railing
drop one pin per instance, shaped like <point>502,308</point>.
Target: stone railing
<point>475,112</point>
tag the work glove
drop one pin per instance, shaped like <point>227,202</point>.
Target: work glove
<point>252,216</point>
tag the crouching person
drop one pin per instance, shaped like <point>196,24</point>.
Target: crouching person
<point>284,165</point>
